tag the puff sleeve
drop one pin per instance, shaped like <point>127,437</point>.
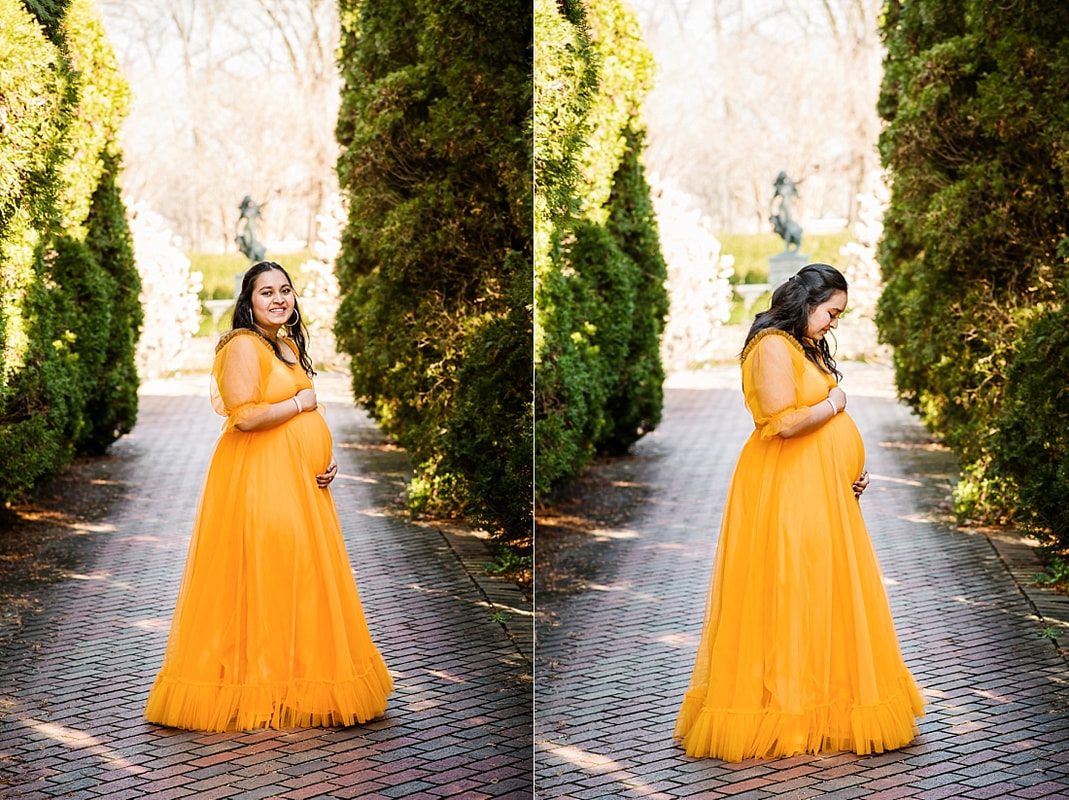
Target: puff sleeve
<point>239,379</point>
<point>773,396</point>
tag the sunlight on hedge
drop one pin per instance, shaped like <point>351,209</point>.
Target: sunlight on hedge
<point>69,314</point>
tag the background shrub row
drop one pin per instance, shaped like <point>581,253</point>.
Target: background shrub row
<point>69,311</point>
<point>599,276</point>
<point>976,243</point>
<point>435,265</point>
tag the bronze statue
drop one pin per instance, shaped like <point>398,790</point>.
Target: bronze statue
<point>782,222</point>
<point>246,239</point>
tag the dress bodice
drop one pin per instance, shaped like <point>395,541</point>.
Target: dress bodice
<point>248,377</point>
<point>780,383</point>
<point>781,387</point>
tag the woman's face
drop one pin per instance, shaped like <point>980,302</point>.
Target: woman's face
<point>272,300</point>
<point>825,317</point>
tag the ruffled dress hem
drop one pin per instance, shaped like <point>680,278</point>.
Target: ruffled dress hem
<point>735,735</point>
<point>221,707</point>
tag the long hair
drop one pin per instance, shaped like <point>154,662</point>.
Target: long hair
<point>294,326</point>
<point>793,302</point>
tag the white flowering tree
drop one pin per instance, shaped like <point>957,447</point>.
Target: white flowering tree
<point>699,293</point>
<point>168,293</point>
<point>862,272</point>
<point>321,294</point>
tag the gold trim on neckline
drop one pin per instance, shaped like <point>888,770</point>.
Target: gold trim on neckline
<point>771,332</point>
<point>226,337</point>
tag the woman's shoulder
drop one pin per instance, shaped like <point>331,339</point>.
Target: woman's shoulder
<point>243,338</point>
<point>772,339</point>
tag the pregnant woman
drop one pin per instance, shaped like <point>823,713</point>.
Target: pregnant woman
<point>798,651</point>
<point>268,630</point>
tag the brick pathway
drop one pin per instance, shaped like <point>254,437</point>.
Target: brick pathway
<point>73,681</point>
<point>614,659</point>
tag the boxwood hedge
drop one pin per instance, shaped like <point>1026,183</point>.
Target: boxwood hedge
<point>69,312</point>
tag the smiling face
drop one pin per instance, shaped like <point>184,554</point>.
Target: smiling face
<point>272,301</point>
<point>825,317</point>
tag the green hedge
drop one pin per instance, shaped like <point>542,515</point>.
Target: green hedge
<point>435,266</point>
<point>600,296</point>
<point>975,239</point>
<point>69,315</point>
<point>1032,440</point>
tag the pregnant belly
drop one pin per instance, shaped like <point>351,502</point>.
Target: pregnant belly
<point>847,444</point>
<point>310,438</point>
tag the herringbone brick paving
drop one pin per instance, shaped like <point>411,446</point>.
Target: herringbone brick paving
<point>73,681</point>
<point>614,659</point>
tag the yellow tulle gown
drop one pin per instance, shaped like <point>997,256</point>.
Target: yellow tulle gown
<point>268,630</point>
<point>798,651</point>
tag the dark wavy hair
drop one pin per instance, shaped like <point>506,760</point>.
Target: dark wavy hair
<point>294,326</point>
<point>793,302</point>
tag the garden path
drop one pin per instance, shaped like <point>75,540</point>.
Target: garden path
<point>614,657</point>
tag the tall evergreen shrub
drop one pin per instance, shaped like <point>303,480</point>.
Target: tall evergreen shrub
<point>1032,440</point>
<point>600,297</point>
<point>435,266</point>
<point>975,240</point>
<point>69,314</point>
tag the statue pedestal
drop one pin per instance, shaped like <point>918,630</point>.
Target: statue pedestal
<point>783,265</point>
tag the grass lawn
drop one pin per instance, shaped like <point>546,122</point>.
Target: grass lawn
<point>752,251</point>
<point>219,269</point>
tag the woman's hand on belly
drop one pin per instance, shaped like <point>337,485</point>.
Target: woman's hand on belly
<point>323,480</point>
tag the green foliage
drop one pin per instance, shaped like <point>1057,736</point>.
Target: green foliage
<point>565,87</point>
<point>1032,440</point>
<point>435,261</point>
<point>1057,573</point>
<point>975,240</point>
<point>69,314</point>
<point>111,408</point>
<point>34,84</point>
<point>49,14</point>
<point>599,274</point>
<point>496,460</point>
<point>636,397</point>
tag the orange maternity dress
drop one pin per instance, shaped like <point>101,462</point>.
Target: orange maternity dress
<point>268,630</point>
<point>798,650</point>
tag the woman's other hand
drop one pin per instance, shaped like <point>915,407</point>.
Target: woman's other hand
<point>861,484</point>
<point>323,481</point>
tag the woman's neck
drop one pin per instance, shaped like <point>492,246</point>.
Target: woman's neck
<point>269,333</point>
